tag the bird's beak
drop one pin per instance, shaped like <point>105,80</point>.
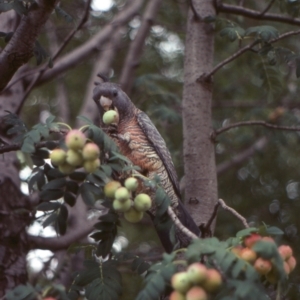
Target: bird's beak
<point>105,102</point>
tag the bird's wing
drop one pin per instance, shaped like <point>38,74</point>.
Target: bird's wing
<point>160,147</point>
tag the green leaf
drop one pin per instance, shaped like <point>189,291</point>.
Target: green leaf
<point>50,220</point>
<point>272,230</point>
<point>86,120</point>
<point>70,198</point>
<point>78,176</point>
<point>47,195</point>
<point>264,32</point>
<point>72,186</point>
<point>46,206</point>
<point>62,219</point>
<point>246,232</point>
<point>21,292</point>
<point>86,194</point>
<point>55,184</point>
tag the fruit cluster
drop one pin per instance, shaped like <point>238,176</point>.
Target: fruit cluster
<point>122,199</point>
<point>262,266</point>
<point>196,283</point>
<point>80,153</point>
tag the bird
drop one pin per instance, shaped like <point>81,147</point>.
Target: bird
<point>139,141</point>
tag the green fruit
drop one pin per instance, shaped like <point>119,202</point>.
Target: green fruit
<point>180,282</point>
<point>75,139</point>
<point>91,166</point>
<point>90,151</point>
<point>58,157</point>
<point>196,293</point>
<point>122,206</point>
<point>133,216</point>
<point>110,117</point>
<point>197,273</point>
<point>122,194</point>
<point>66,168</point>
<point>131,184</point>
<point>74,158</point>
<point>142,202</point>
<point>110,188</point>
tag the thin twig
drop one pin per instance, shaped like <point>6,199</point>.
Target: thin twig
<point>18,146</point>
<point>256,123</point>
<point>234,212</point>
<point>228,60</point>
<point>254,14</point>
<point>58,52</point>
<point>243,50</point>
<point>267,8</point>
<point>180,226</point>
<point>239,158</point>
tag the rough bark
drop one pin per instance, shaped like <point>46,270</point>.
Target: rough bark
<point>199,156</point>
<point>21,45</point>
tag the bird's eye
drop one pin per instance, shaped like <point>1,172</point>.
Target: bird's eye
<point>115,93</point>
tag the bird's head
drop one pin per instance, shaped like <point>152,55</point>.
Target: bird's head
<point>109,96</point>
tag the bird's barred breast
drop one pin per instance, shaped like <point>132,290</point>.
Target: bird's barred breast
<point>141,152</point>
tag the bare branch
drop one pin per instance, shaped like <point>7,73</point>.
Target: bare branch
<point>64,241</point>
<point>243,50</point>
<point>234,212</point>
<point>180,226</point>
<point>239,158</point>
<point>94,44</point>
<point>20,48</point>
<point>135,50</point>
<point>64,44</point>
<point>253,14</point>
<point>227,60</point>
<point>256,123</point>
<point>18,146</point>
<point>267,8</point>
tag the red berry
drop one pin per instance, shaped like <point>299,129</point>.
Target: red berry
<point>250,240</point>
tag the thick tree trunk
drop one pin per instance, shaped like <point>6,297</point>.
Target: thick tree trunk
<point>199,156</point>
<point>13,220</point>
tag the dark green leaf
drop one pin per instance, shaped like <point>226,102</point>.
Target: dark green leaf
<point>62,220</point>
<point>70,198</point>
<point>45,206</point>
<point>50,220</point>
<point>72,186</point>
<point>78,176</point>
<point>47,195</point>
<point>55,184</point>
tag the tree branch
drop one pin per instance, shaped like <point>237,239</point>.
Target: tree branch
<point>243,50</point>
<point>234,212</point>
<point>255,123</point>
<point>64,241</point>
<point>267,8</point>
<point>94,44</point>
<point>259,145</point>
<point>136,47</point>
<point>253,14</point>
<point>20,48</point>
<point>180,226</point>
<point>227,60</point>
<point>61,48</point>
<point>18,146</point>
